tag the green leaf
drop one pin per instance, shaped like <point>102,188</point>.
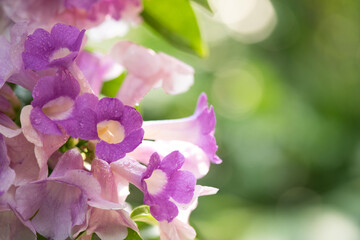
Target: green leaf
<point>175,21</point>
<point>80,235</point>
<point>204,3</point>
<point>40,237</point>
<point>142,214</point>
<point>132,235</point>
<point>110,88</point>
<point>95,237</point>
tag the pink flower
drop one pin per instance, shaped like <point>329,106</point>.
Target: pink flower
<point>196,160</point>
<point>197,129</point>
<point>109,223</point>
<point>157,187</point>
<point>82,14</point>
<point>19,155</point>
<point>45,145</point>
<point>12,226</point>
<point>179,228</point>
<point>164,184</point>
<point>59,203</point>
<point>95,69</point>
<point>147,70</point>
<point>11,64</point>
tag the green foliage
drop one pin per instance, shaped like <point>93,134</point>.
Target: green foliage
<point>80,235</point>
<point>175,20</point>
<point>132,235</point>
<point>110,88</point>
<point>142,214</point>
<point>204,3</point>
<point>40,237</point>
<point>95,237</point>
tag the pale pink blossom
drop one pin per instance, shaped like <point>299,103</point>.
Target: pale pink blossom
<point>196,160</point>
<point>109,223</point>
<point>82,14</point>
<point>148,70</point>
<point>179,228</point>
<point>45,145</point>
<point>197,129</point>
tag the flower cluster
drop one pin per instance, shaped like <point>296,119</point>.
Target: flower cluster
<point>66,171</point>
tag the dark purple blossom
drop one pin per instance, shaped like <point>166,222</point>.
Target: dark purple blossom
<point>163,183</point>
<point>117,126</point>
<point>58,48</point>
<point>54,103</point>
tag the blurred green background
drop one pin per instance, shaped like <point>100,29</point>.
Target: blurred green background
<point>284,79</point>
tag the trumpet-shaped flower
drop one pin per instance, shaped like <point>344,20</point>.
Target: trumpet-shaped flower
<point>109,223</point>
<point>18,154</point>
<point>59,203</point>
<point>54,103</point>
<point>82,14</point>
<point>147,70</point>
<point>11,63</point>
<point>163,183</point>
<point>196,161</point>
<point>94,68</point>
<point>58,48</point>
<point>165,186</point>
<point>197,129</point>
<point>179,228</point>
<point>116,126</point>
<point>44,144</point>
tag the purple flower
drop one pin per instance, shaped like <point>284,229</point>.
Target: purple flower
<point>7,175</point>
<point>44,144</point>
<point>163,183</point>
<point>82,4</point>
<point>58,48</point>
<point>80,13</point>
<point>109,223</point>
<point>117,126</point>
<point>197,129</point>
<point>12,226</point>
<point>11,63</point>
<point>53,104</point>
<point>179,228</point>
<point>165,187</point>
<point>95,69</point>
<point>59,202</point>
<point>196,161</point>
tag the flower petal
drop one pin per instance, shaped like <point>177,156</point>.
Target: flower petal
<point>66,36</point>
<point>165,211</point>
<point>109,109</point>
<point>38,48</point>
<point>70,160</point>
<point>42,123</point>
<point>7,175</point>
<point>110,224</point>
<point>182,186</point>
<point>172,162</point>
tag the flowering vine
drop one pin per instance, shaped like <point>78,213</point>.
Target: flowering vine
<point>68,156</point>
